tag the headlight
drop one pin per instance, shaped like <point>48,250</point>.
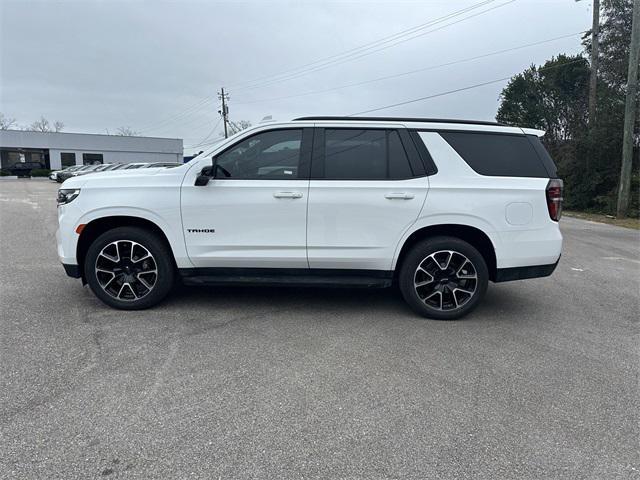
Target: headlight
<point>67,195</point>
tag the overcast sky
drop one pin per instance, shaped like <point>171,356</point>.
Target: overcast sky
<point>156,66</point>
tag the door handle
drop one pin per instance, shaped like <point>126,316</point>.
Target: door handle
<point>399,196</point>
<point>288,195</point>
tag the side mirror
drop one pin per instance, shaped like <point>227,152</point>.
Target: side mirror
<point>204,177</point>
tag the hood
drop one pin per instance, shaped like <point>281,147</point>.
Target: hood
<point>114,176</point>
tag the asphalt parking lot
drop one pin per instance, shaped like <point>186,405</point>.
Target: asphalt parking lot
<point>540,382</point>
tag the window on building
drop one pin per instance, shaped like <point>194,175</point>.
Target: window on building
<point>91,158</point>
<point>265,156</point>
<point>68,159</point>
<point>372,154</point>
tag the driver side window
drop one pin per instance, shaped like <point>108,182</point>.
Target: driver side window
<point>273,155</point>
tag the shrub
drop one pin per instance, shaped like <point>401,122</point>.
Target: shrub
<point>40,172</point>
<point>5,173</point>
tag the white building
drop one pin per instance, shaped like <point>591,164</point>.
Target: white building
<point>58,150</point>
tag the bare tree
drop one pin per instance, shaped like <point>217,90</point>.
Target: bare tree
<point>127,132</point>
<point>41,125</point>
<point>6,123</point>
<point>235,127</point>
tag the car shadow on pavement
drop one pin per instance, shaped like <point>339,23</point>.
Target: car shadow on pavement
<point>500,301</point>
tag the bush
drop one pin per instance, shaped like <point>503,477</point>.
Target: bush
<point>5,173</point>
<point>40,172</point>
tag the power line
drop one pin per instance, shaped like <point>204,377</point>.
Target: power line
<point>201,142</point>
<point>411,72</point>
<point>361,47</point>
<point>441,94</point>
<point>324,63</point>
<point>187,111</point>
<point>371,50</point>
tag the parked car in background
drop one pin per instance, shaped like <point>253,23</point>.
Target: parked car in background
<point>163,164</point>
<point>23,169</point>
<point>133,166</point>
<point>54,175</point>
<point>106,167</point>
<point>65,174</point>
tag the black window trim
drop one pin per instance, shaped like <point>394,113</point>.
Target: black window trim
<point>428,164</point>
<point>304,166</point>
<point>318,155</point>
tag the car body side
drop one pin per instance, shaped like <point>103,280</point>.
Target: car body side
<point>511,212</point>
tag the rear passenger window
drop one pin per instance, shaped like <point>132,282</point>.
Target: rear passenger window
<point>497,154</point>
<point>364,154</point>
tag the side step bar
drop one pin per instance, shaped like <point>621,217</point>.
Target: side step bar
<point>289,276</point>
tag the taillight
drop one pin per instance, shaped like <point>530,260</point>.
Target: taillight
<point>554,198</point>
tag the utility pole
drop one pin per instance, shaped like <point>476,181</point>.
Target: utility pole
<point>224,110</point>
<point>629,113</point>
<point>595,47</point>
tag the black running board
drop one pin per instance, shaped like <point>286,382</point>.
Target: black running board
<point>302,277</point>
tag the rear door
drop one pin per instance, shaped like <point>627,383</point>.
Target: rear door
<point>367,187</point>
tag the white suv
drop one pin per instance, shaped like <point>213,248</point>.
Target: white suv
<point>439,206</point>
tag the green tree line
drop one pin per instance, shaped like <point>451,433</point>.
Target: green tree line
<point>554,97</point>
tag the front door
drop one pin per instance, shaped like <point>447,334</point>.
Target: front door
<point>254,213</point>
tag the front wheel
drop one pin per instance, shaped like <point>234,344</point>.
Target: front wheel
<point>443,278</point>
<point>129,268</point>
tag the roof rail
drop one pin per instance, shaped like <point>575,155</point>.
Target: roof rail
<point>401,119</point>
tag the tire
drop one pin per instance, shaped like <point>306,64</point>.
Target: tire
<point>131,283</point>
<point>443,293</point>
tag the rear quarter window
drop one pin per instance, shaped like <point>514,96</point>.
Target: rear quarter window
<point>498,155</point>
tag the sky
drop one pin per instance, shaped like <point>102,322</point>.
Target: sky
<point>157,66</point>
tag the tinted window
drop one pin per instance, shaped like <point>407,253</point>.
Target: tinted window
<point>497,154</point>
<point>268,155</point>
<point>68,159</point>
<point>544,155</point>
<point>91,158</point>
<point>374,154</point>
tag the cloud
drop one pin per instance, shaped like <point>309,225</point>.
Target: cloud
<point>153,65</point>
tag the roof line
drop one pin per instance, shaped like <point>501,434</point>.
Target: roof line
<point>402,119</point>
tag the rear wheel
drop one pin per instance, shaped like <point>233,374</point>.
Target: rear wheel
<point>129,268</point>
<point>443,278</point>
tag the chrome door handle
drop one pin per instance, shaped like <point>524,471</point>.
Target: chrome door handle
<point>399,196</point>
<point>288,195</point>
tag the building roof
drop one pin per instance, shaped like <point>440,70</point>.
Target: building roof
<point>88,141</point>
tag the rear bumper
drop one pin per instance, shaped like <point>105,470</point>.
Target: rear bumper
<point>521,273</point>
<point>72,270</point>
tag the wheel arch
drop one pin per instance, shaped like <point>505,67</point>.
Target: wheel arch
<point>98,226</point>
<point>472,235</point>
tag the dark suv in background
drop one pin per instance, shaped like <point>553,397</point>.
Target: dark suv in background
<point>23,169</point>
